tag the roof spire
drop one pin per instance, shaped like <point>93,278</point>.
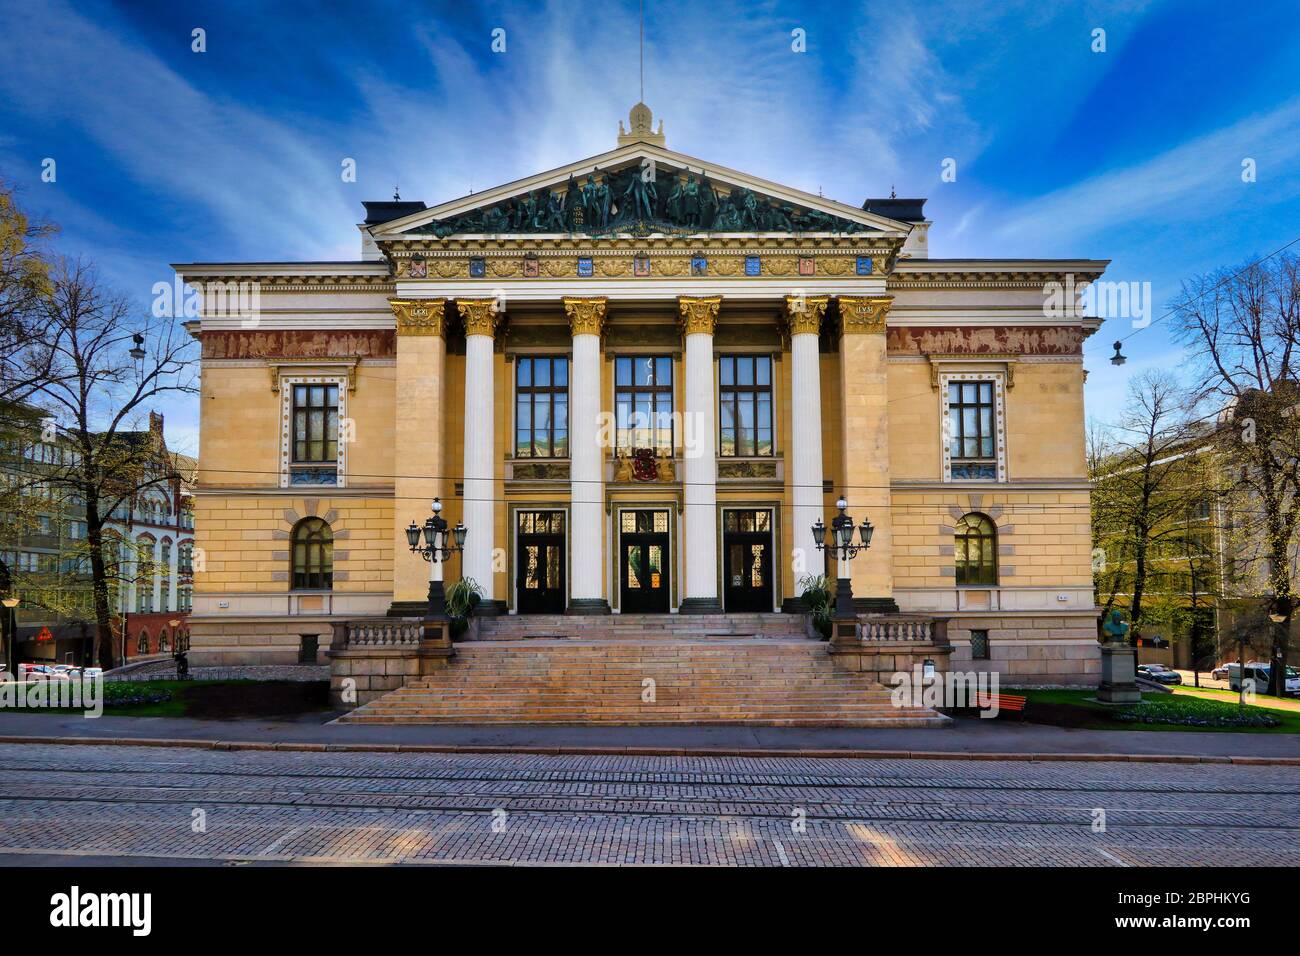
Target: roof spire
<point>397,194</point>
<point>640,119</point>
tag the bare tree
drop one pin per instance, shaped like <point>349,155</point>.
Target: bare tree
<point>100,392</point>
<point>1138,471</point>
<point>1243,329</point>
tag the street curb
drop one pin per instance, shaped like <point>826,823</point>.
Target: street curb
<point>642,751</point>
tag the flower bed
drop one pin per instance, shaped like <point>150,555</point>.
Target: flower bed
<point>1193,712</point>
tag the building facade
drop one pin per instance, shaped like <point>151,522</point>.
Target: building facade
<point>639,380</point>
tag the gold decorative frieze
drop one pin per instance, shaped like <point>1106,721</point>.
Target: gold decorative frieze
<point>586,315</point>
<point>419,316</point>
<point>803,313</point>
<point>746,468</point>
<point>480,316</point>
<point>698,313</point>
<point>864,314</point>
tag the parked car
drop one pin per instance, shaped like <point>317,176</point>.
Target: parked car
<point>1219,673</point>
<point>1159,673</point>
<point>1257,676</point>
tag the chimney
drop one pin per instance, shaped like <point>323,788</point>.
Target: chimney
<point>156,423</point>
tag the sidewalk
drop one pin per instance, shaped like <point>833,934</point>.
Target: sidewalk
<point>968,738</point>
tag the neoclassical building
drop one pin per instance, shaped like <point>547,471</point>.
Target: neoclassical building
<point>639,380</point>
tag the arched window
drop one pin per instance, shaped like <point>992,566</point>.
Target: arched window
<point>977,550</point>
<point>142,645</point>
<point>313,555</point>
<point>162,641</point>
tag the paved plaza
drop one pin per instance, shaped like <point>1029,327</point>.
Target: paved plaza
<point>173,804</point>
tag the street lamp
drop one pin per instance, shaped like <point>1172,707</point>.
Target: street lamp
<point>1280,610</point>
<point>9,630</point>
<point>846,550</point>
<point>438,546</point>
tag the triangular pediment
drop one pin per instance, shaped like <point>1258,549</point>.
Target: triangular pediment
<point>639,189</point>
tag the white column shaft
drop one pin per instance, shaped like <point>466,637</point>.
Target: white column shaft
<point>479,442</point>
<point>805,449</point>
<point>587,487</point>
<point>700,470</point>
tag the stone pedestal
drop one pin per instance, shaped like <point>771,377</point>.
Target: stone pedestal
<point>1119,675</point>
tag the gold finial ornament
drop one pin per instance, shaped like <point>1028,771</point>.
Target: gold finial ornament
<point>642,130</point>
<point>480,316</point>
<point>864,314</point>
<point>698,314</point>
<point>419,316</point>
<point>804,313</point>
<point>586,315</point>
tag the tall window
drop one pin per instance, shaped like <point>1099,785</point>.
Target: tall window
<point>142,644</point>
<point>542,407</point>
<point>971,439</point>
<point>745,404</point>
<point>643,402</point>
<point>313,555</point>
<point>315,434</point>
<point>977,550</point>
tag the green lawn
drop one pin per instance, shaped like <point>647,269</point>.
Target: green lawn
<point>218,699</point>
<point>1079,708</point>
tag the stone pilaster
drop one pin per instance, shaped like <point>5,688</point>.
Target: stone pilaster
<point>587,486</point>
<point>865,407</point>
<point>698,319</point>
<point>418,433</point>
<point>481,318</point>
<point>803,321</point>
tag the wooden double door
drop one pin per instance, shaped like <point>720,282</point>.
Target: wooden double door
<point>643,562</point>
<point>540,562</point>
<point>747,559</point>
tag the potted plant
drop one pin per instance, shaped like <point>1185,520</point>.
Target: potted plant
<point>462,598</point>
<point>815,590</point>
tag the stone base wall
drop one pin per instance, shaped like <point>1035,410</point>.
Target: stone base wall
<point>882,660</point>
<point>1026,650</point>
<point>359,676</point>
<point>215,643</point>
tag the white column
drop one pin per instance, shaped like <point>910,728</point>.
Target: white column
<point>587,487</point>
<point>699,457</point>
<point>480,414</point>
<point>804,315</point>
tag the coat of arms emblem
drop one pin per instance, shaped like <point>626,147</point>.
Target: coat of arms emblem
<point>644,467</point>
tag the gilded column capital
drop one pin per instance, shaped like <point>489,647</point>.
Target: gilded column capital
<point>803,313</point>
<point>698,313</point>
<point>480,316</point>
<point>864,314</point>
<point>419,316</point>
<point>586,315</point>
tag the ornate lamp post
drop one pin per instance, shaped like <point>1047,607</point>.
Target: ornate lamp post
<point>439,545</point>
<point>846,550</point>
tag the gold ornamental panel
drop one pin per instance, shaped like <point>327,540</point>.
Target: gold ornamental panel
<point>419,316</point>
<point>864,314</point>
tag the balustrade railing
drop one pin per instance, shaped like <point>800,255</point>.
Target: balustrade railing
<point>919,630</point>
<point>377,632</point>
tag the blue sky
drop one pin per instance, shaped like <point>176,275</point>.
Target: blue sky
<point>1134,155</point>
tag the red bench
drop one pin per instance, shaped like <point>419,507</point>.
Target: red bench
<point>1008,702</point>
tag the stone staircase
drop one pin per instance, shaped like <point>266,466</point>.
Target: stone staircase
<point>642,627</point>
<point>667,672</point>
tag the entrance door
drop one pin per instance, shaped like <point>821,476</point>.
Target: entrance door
<point>539,579</point>
<point>747,561</point>
<point>643,562</point>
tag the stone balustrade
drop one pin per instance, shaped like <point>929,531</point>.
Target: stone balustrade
<point>886,628</point>
<point>377,632</point>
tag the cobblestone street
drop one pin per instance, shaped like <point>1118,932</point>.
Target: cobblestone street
<point>426,808</point>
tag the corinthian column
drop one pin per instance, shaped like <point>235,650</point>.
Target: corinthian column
<point>480,316</point>
<point>699,316</point>
<point>586,483</point>
<point>418,432</point>
<point>804,319</point>
<point>865,399</point>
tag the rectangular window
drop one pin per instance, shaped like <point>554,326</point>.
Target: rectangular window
<point>745,404</point>
<point>542,407</point>
<point>972,444</point>
<point>315,439</point>
<point>643,402</point>
<point>979,645</point>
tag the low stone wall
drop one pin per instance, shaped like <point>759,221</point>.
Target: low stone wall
<point>256,641</point>
<point>359,676</point>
